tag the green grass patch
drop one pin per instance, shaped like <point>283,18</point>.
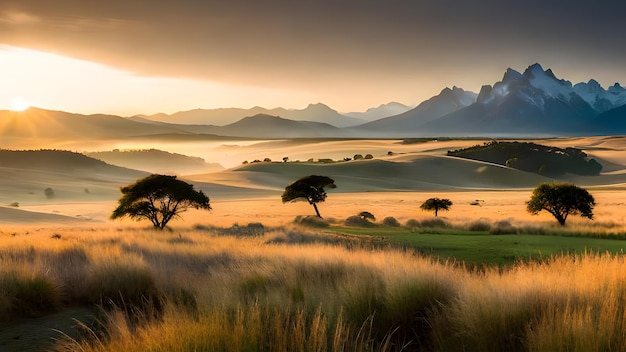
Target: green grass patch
<point>482,248</point>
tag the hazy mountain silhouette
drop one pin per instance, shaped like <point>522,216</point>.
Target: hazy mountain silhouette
<point>384,110</point>
<point>266,126</point>
<point>609,123</point>
<point>221,117</point>
<point>447,101</point>
<point>40,123</point>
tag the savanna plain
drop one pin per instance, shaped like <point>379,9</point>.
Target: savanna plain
<point>255,274</point>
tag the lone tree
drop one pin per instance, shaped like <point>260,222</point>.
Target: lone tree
<point>367,216</point>
<point>309,188</point>
<point>436,204</point>
<point>561,200</point>
<point>159,198</point>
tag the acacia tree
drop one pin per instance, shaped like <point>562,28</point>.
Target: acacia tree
<point>309,188</point>
<point>436,204</point>
<point>159,198</point>
<point>561,200</point>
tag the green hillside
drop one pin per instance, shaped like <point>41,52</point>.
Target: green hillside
<point>532,157</point>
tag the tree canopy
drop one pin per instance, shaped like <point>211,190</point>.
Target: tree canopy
<point>159,198</point>
<point>310,189</point>
<point>561,200</point>
<point>436,204</point>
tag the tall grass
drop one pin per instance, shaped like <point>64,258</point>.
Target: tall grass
<point>203,290</point>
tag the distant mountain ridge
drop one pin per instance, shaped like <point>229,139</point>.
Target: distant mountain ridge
<point>447,101</point>
<point>535,102</point>
<point>384,110</point>
<point>532,103</point>
<point>220,117</point>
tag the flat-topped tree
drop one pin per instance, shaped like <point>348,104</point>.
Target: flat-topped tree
<point>309,188</point>
<point>436,204</point>
<point>159,198</point>
<point>561,200</point>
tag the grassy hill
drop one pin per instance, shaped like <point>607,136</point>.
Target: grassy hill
<point>156,161</point>
<point>27,173</point>
<point>404,172</point>
<point>532,157</point>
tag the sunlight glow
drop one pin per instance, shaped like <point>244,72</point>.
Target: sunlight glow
<point>61,83</point>
<point>19,104</point>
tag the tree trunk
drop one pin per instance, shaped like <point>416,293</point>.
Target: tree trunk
<point>316,211</point>
<point>436,211</point>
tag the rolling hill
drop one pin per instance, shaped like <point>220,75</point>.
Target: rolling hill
<point>156,161</point>
<point>48,124</point>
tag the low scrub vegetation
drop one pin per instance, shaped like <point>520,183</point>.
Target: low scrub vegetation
<point>294,288</point>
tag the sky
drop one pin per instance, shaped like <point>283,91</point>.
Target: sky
<point>147,56</point>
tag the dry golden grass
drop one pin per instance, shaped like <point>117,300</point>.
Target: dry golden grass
<point>196,289</point>
<point>201,290</point>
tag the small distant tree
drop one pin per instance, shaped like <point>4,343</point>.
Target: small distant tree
<point>159,198</point>
<point>357,157</point>
<point>309,188</point>
<point>369,156</point>
<point>49,193</point>
<point>436,204</point>
<point>561,200</point>
<point>366,215</point>
<point>285,159</point>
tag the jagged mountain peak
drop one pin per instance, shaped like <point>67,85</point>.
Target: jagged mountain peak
<point>485,93</point>
<point>511,75</point>
<point>616,88</point>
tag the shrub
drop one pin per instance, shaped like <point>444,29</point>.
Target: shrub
<point>435,223</point>
<point>253,229</point>
<point>25,295</point>
<point>391,221</point>
<point>412,223</point>
<point>479,225</point>
<point>128,285</point>
<point>311,221</point>
<point>502,227</point>
<point>358,221</point>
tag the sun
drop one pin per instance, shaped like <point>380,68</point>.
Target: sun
<point>19,104</point>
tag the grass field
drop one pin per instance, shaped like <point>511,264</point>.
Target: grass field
<point>477,248</point>
<point>253,288</point>
<point>478,278</point>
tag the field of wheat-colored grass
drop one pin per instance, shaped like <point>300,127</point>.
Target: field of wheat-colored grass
<point>292,288</point>
<point>245,277</point>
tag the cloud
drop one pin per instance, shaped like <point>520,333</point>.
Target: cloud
<point>386,49</point>
<point>18,18</point>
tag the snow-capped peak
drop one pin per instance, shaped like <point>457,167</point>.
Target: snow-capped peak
<point>547,82</point>
<point>599,98</point>
<point>537,86</point>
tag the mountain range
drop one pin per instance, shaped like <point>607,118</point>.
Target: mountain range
<point>314,112</point>
<point>530,103</point>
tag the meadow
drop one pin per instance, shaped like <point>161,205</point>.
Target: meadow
<point>252,287</point>
<point>247,277</point>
